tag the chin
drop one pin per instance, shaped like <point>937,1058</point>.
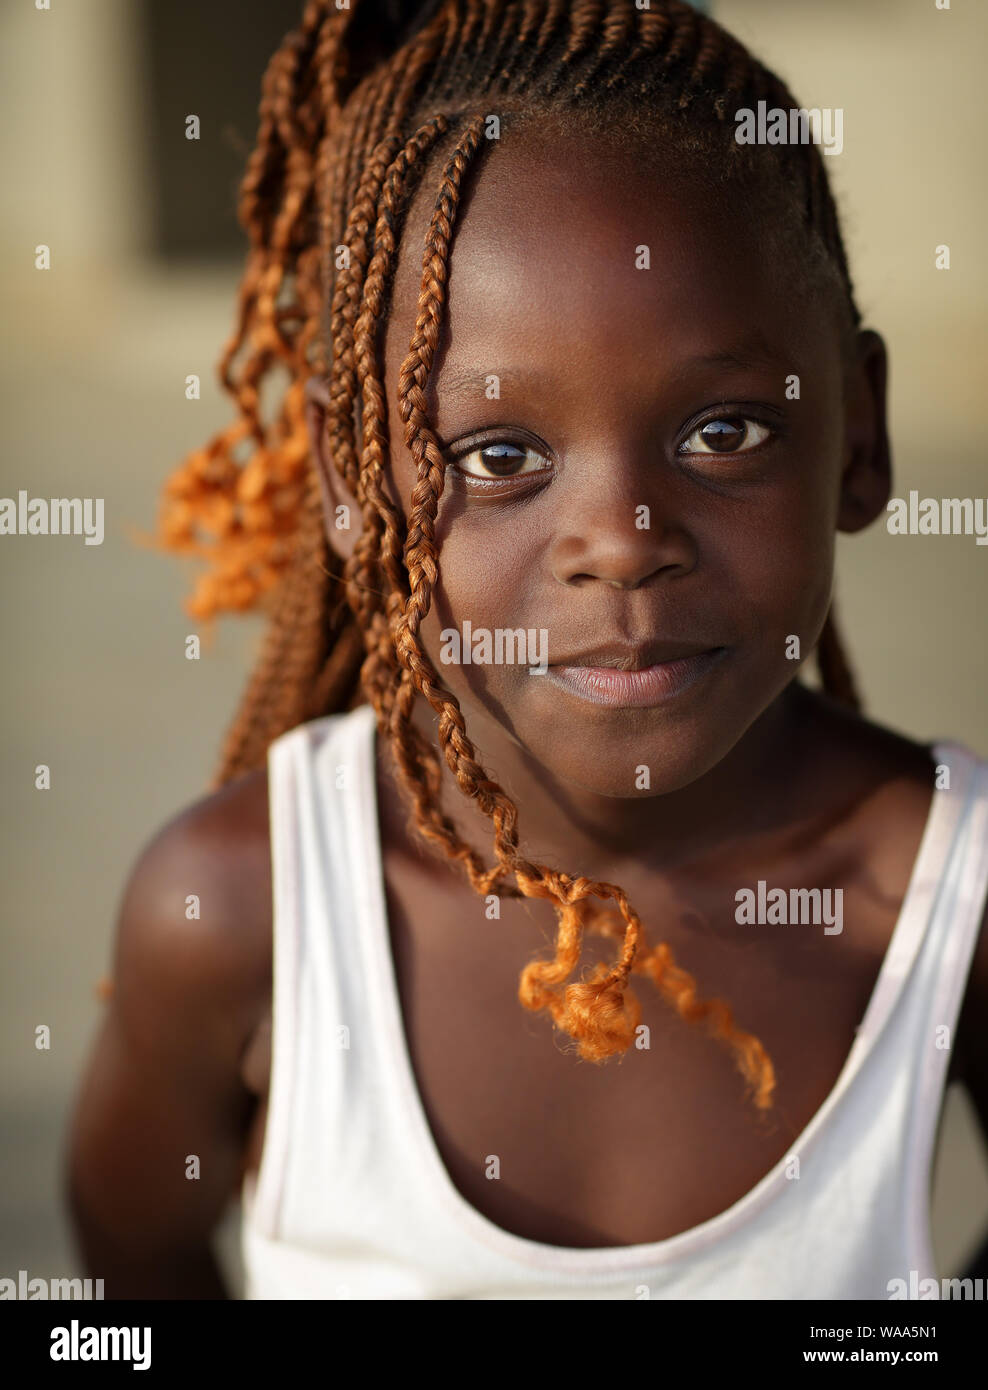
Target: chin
<point>637,765</point>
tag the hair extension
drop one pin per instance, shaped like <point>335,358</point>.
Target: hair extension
<point>357,104</point>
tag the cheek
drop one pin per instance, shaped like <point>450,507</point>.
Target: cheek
<point>485,575</point>
<point>776,561</point>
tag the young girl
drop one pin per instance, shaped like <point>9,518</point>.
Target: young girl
<point>545,936</point>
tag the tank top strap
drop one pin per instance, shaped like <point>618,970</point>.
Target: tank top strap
<point>321,855</point>
<point>962,885</point>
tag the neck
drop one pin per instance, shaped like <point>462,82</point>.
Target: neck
<point>751,790</point>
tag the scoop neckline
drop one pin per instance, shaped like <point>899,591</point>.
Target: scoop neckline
<point>899,954</point>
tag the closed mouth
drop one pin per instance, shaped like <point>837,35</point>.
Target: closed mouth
<point>629,679</point>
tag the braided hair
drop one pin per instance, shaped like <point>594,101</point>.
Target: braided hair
<point>358,104</point>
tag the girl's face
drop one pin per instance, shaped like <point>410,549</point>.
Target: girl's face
<point>650,448</point>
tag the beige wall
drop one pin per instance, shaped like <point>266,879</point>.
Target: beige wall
<point>70,138</point>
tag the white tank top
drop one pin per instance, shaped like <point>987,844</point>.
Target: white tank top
<point>352,1198</point>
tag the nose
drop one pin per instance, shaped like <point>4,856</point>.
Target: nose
<point>619,534</point>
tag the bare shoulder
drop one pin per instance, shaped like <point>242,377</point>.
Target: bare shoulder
<point>197,905</point>
<point>898,777</point>
<point>190,985</point>
<point>914,773</point>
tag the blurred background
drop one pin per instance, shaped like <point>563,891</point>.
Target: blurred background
<point>145,260</point>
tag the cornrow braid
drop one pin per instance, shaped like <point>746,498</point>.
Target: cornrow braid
<point>356,105</point>
<point>382,535</point>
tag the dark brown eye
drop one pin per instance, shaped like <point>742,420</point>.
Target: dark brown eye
<point>723,435</point>
<point>501,460</point>
<point>729,435</point>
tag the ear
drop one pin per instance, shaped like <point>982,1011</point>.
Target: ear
<point>344,520</point>
<point>867,477</point>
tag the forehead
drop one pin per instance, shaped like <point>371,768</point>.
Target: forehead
<point>575,255</point>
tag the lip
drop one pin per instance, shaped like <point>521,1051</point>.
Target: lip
<point>635,656</point>
<point>633,684</point>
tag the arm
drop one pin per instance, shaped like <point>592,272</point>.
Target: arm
<point>164,1082</point>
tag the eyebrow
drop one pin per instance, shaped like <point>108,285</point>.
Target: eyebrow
<point>751,351</point>
<point>455,380</point>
